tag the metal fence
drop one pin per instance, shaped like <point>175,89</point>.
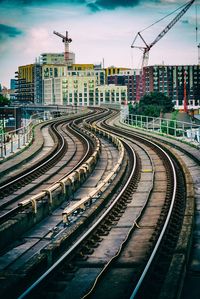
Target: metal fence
<point>13,141</point>
<point>189,132</point>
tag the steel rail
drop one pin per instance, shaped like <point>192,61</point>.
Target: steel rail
<point>154,252</point>
<point>85,235</point>
<point>41,165</point>
<point>17,209</point>
<point>45,161</point>
<point>128,233</point>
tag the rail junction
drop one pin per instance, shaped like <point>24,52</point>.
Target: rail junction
<point>96,209</point>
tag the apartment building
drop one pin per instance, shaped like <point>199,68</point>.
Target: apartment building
<point>25,83</point>
<point>171,80</point>
<point>81,88</point>
<point>129,78</point>
<point>56,58</point>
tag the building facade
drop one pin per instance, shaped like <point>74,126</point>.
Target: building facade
<point>29,83</point>
<point>38,91</point>
<point>129,78</point>
<point>112,70</point>
<point>171,80</point>
<point>30,78</point>
<point>25,83</point>
<point>56,71</point>
<point>82,88</point>
<point>56,58</point>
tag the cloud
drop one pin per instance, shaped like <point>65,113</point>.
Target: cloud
<point>92,5</point>
<point>8,32</point>
<point>111,4</point>
<point>38,2</point>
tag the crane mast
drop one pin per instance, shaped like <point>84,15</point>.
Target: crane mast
<point>66,41</point>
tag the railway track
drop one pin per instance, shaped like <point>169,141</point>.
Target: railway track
<point>14,264</point>
<point>15,205</point>
<point>187,260</point>
<point>19,186</point>
<point>95,260</point>
<point>39,166</point>
<point>123,238</point>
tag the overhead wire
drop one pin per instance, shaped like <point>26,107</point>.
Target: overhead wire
<point>164,17</point>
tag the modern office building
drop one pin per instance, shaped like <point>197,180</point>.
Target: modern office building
<point>112,70</point>
<point>56,58</point>
<point>29,78</point>
<point>29,83</point>
<point>171,80</point>
<point>56,71</point>
<point>80,88</point>
<point>129,78</point>
<point>81,66</point>
<point>13,84</point>
<point>38,90</point>
<point>111,94</point>
<point>25,83</point>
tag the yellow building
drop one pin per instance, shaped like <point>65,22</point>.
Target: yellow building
<point>25,86</point>
<point>82,67</point>
<point>26,72</point>
<point>112,70</point>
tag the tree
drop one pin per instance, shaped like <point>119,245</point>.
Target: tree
<point>153,104</point>
<point>4,101</point>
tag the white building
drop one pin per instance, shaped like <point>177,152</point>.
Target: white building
<point>56,58</point>
<point>82,88</point>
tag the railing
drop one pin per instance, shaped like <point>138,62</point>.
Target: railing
<point>188,132</point>
<point>13,141</point>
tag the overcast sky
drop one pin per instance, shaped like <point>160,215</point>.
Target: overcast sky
<point>98,28</point>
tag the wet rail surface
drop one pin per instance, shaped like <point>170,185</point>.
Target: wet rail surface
<point>111,262</point>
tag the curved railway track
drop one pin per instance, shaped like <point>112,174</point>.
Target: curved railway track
<point>41,166</point>
<point>58,153</point>
<point>21,216</point>
<point>102,173</point>
<point>26,176</point>
<point>105,281</point>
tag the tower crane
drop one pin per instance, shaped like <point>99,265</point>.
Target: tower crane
<point>146,48</point>
<point>66,41</point>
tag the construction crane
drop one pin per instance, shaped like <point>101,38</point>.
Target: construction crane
<point>147,47</point>
<point>66,41</point>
